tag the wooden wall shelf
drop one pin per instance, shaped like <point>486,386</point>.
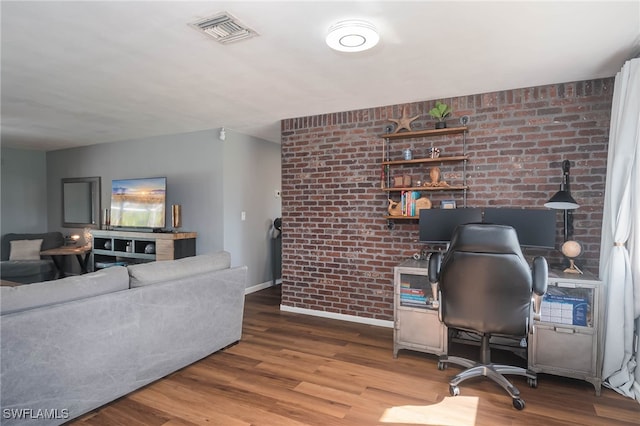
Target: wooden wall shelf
<point>425,133</point>
<point>427,188</point>
<point>426,160</point>
<point>416,163</point>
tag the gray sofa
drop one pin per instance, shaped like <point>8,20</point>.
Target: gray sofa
<point>29,271</point>
<point>71,345</point>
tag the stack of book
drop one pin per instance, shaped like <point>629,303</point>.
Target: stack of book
<point>408,202</point>
<point>412,296</point>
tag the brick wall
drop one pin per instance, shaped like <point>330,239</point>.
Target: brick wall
<point>337,252</point>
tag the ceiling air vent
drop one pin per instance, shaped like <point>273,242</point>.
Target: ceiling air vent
<point>225,28</point>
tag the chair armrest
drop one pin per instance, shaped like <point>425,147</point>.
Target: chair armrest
<point>540,278</point>
<point>434,267</point>
<point>540,275</point>
<point>537,304</point>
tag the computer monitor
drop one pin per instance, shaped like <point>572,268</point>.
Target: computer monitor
<point>437,225</point>
<point>535,227</point>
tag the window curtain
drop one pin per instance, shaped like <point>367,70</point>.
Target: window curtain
<point>620,244</point>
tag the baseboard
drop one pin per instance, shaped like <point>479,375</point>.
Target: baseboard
<point>259,287</point>
<point>341,317</point>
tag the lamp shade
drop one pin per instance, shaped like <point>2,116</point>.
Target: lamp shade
<point>562,200</point>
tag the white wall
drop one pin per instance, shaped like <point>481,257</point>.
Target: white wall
<point>252,174</point>
<point>637,353</point>
<point>202,175</point>
<point>23,203</point>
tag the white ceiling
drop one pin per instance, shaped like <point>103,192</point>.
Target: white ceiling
<point>80,73</point>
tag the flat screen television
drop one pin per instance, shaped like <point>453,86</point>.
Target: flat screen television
<point>436,226</point>
<point>535,227</point>
<point>138,203</point>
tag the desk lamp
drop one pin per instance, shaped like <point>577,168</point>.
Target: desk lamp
<point>562,200</point>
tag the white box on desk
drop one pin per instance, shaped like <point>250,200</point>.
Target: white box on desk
<point>563,309</point>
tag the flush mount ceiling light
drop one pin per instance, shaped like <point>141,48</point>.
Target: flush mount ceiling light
<point>352,36</point>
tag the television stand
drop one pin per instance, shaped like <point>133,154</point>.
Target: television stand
<point>129,247</point>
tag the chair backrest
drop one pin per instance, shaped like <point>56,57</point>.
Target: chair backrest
<point>485,281</point>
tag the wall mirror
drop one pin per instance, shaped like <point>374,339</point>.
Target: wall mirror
<point>81,202</point>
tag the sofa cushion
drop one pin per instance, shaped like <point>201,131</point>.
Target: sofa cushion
<point>155,272</point>
<point>28,296</point>
<point>25,249</point>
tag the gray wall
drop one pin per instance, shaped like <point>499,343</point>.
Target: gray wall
<point>23,204</point>
<point>191,162</point>
<point>204,174</point>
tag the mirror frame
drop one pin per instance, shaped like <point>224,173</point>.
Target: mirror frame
<point>96,188</point>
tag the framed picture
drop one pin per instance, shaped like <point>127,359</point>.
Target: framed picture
<point>448,204</point>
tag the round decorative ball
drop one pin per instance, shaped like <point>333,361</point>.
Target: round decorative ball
<point>571,249</point>
<point>150,248</point>
<point>107,245</point>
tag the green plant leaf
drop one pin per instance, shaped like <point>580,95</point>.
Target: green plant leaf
<point>440,111</point>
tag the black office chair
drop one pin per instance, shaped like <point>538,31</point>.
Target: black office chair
<point>486,287</point>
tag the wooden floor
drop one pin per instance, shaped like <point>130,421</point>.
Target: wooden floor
<point>292,369</point>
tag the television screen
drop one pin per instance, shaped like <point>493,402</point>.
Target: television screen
<point>138,203</point>
<point>535,227</point>
<point>437,225</point>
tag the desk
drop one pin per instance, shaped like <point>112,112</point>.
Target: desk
<point>568,346</point>
<point>416,323</point>
<point>57,255</point>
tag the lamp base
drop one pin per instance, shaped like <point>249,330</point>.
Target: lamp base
<point>572,269</point>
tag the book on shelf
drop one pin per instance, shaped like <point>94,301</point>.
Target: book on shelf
<point>408,202</point>
<point>413,296</point>
<point>412,291</point>
<point>415,304</point>
<point>418,304</point>
<point>407,286</point>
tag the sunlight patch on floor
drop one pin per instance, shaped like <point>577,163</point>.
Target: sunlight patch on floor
<point>452,411</point>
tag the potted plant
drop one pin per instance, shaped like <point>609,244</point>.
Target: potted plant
<point>440,112</point>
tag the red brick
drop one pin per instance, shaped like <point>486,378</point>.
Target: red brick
<point>338,254</point>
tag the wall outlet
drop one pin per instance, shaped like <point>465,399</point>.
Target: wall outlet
<point>243,215</point>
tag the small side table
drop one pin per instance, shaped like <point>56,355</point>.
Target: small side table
<point>57,255</point>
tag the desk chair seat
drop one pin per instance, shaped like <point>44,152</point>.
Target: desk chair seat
<point>486,287</point>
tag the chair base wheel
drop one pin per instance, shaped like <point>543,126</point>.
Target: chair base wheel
<point>533,383</point>
<point>454,390</point>
<point>518,403</point>
<point>441,365</point>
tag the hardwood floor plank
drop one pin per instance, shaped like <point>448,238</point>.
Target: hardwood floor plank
<point>129,412</point>
<point>312,376</point>
<point>188,405</point>
<point>293,370</point>
<point>616,413</point>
